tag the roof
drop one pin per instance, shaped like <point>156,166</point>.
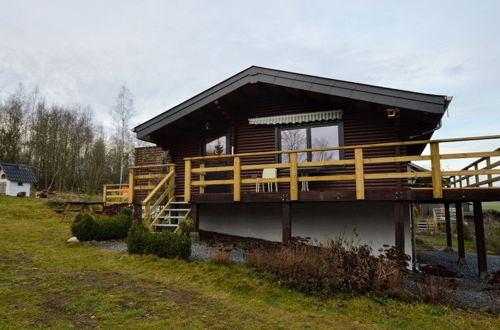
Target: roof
<point>18,173</point>
<point>375,94</point>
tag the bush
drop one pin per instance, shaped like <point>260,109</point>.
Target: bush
<point>86,228</point>
<point>136,239</point>
<point>115,227</point>
<point>164,245</point>
<point>435,290</point>
<point>339,266</point>
<point>186,226</point>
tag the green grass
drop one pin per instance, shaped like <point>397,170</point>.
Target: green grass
<point>439,243</point>
<point>491,206</point>
<point>46,282</point>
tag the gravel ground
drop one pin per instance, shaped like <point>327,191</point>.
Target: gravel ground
<point>199,250</point>
<point>470,290</point>
<point>448,259</point>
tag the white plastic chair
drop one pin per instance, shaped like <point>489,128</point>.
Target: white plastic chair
<point>270,173</point>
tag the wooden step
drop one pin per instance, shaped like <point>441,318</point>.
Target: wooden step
<point>172,217</point>
<point>179,210</point>
<point>164,225</point>
<point>179,203</point>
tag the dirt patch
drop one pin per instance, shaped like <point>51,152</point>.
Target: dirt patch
<point>437,270</point>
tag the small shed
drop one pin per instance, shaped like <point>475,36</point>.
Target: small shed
<point>16,179</point>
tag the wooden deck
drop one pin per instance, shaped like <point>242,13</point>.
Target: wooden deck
<point>361,174</point>
<point>420,195</point>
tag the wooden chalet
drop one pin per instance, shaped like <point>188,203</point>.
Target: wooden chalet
<point>273,154</point>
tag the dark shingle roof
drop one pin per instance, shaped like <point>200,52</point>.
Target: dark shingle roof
<point>18,173</point>
<point>356,91</point>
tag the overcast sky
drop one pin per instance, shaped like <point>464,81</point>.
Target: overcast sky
<point>167,51</point>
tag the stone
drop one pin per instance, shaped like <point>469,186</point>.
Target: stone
<point>72,239</point>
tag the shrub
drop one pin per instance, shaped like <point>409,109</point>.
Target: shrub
<point>186,226</point>
<point>338,266</point>
<point>164,245</point>
<point>115,227</point>
<point>220,254</point>
<point>435,290</point>
<point>136,239</point>
<point>220,257</point>
<point>84,227</point>
<point>127,211</point>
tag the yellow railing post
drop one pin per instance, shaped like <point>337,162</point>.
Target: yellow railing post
<point>187,181</point>
<point>104,194</point>
<point>437,183</point>
<point>237,178</point>
<point>359,173</point>
<point>202,179</point>
<point>130,185</point>
<point>488,167</point>
<point>171,184</point>
<point>294,183</point>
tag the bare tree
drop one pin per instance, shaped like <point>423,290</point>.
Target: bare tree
<point>122,112</point>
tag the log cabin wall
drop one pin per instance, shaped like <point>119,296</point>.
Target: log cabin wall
<point>363,123</point>
<point>148,156</point>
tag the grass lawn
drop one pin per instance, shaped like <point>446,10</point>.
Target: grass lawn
<point>491,206</point>
<point>433,242</point>
<point>46,282</point>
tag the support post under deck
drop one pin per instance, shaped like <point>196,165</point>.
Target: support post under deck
<point>480,241</point>
<point>399,226</point>
<point>460,233</point>
<point>286,222</point>
<point>447,218</point>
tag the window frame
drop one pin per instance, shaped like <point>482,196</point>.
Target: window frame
<point>308,127</point>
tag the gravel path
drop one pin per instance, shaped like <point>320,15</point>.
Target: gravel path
<point>470,291</point>
<point>448,259</point>
<point>199,250</point>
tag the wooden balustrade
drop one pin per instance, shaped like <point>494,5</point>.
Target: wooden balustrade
<point>124,193</point>
<point>358,176</point>
<point>457,180</point>
<point>159,198</point>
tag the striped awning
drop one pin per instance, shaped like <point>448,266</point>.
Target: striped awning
<point>297,118</point>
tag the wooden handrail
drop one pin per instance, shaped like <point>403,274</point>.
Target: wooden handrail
<point>157,188</point>
<point>359,162</point>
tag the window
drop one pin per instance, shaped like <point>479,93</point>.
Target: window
<point>216,146</point>
<point>312,136</point>
<point>19,183</point>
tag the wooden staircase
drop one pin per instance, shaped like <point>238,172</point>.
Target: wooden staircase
<point>161,210</point>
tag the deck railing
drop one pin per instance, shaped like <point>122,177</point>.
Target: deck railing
<point>115,193</point>
<point>147,175</point>
<point>159,198</point>
<point>358,162</point>
<point>465,180</point>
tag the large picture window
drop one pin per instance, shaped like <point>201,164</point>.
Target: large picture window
<point>311,136</point>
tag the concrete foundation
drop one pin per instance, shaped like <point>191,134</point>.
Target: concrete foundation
<point>363,222</point>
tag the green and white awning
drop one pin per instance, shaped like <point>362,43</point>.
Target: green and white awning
<point>297,118</point>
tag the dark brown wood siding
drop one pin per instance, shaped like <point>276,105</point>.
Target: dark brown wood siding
<point>362,124</point>
<point>148,156</point>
